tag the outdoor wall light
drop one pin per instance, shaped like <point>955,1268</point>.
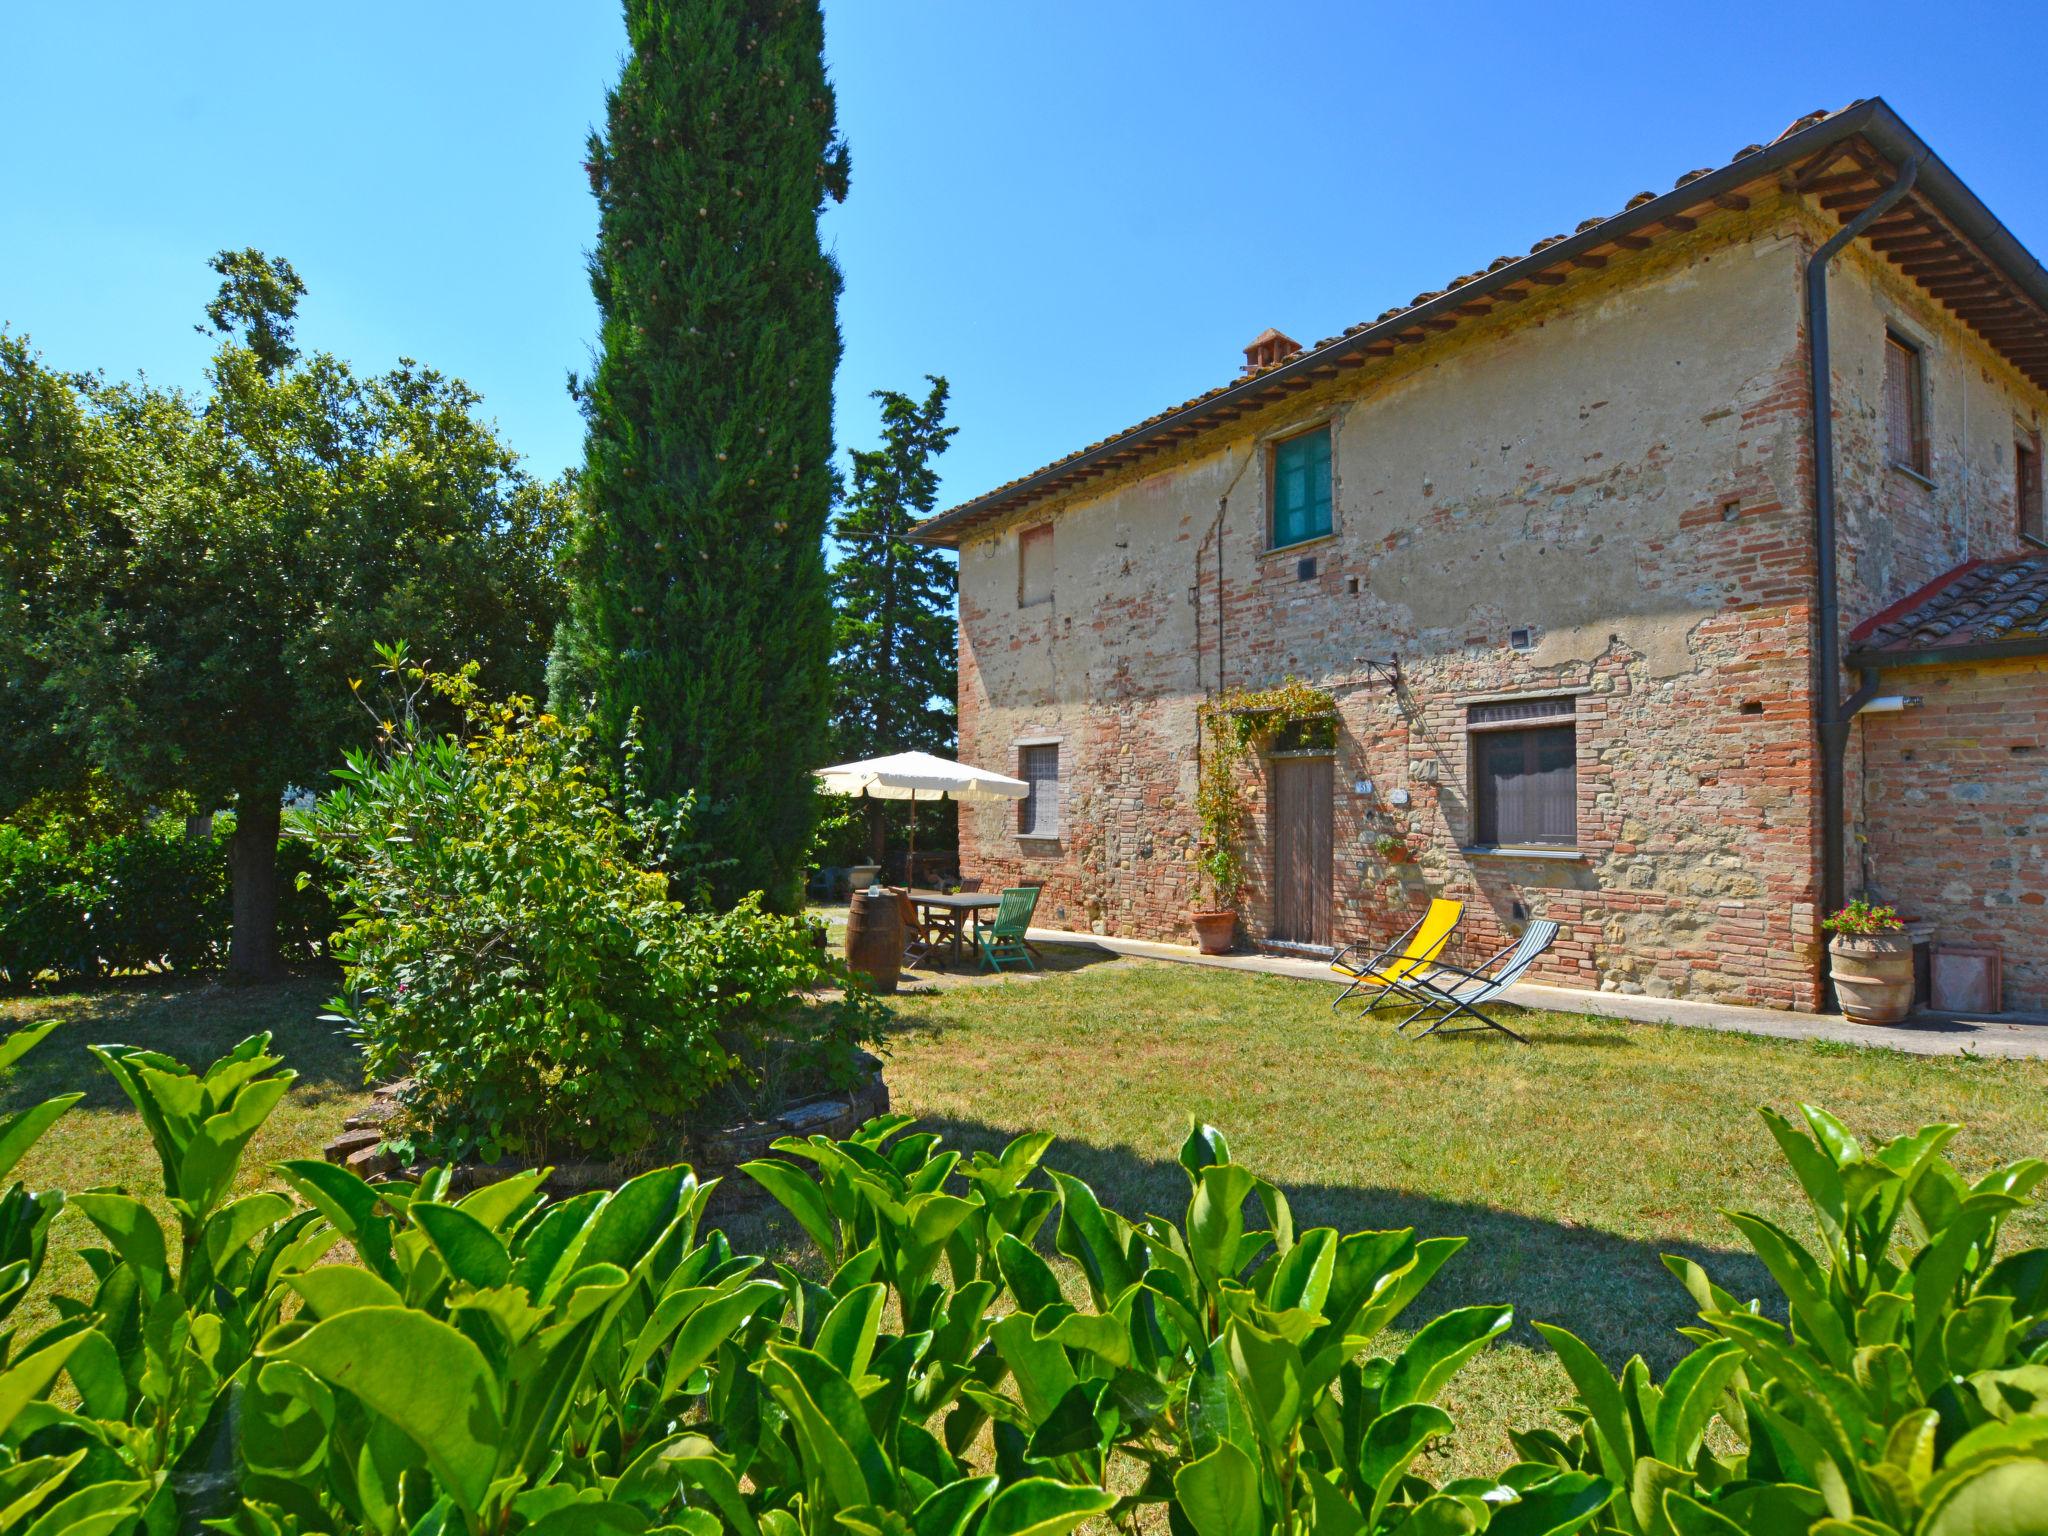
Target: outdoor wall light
<point>1891,704</point>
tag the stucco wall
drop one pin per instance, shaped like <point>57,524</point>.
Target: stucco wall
<point>1619,470</point>
<point>1954,796</point>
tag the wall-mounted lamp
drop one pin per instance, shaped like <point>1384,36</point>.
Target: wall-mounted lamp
<point>1891,704</point>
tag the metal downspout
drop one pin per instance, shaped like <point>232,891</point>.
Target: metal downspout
<point>1832,721</point>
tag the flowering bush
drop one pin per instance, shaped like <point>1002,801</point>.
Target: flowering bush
<point>1860,919</point>
<point>513,948</point>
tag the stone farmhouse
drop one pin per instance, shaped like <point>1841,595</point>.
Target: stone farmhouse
<point>1675,580</point>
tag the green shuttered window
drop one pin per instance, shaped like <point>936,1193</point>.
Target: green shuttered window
<point>1301,487</point>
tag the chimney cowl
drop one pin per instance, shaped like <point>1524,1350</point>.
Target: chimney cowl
<point>1267,348</point>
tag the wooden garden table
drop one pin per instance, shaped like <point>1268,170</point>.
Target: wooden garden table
<point>947,914</point>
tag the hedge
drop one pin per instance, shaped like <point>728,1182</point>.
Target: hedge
<point>154,899</point>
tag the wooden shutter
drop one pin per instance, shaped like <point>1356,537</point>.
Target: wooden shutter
<point>1301,487</point>
<point>1034,565</point>
<point>1905,430</point>
<point>2027,488</point>
<point>1038,813</point>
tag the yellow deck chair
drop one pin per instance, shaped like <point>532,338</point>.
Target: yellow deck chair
<point>1409,956</point>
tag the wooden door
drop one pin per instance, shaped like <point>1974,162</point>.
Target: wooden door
<point>1302,808</point>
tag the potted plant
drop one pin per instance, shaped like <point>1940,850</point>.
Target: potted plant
<point>1216,923</point>
<point>1394,850</point>
<point>1871,963</point>
<point>1221,811</point>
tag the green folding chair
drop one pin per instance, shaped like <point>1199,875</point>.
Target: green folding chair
<point>1001,940</point>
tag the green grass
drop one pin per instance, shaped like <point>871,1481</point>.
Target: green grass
<point>101,1141</point>
<point>1571,1165</point>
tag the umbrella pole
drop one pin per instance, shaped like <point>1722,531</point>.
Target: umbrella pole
<point>910,869</point>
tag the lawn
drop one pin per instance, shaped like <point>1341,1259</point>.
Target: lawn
<point>1571,1164</point>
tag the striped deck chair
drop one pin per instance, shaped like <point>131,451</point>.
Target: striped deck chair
<point>1414,951</point>
<point>1449,997</point>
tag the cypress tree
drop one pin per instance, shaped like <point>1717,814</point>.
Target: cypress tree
<point>893,639</point>
<point>700,596</point>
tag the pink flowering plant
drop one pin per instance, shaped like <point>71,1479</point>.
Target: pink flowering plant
<point>1862,919</point>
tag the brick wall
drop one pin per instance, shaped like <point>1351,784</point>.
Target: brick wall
<point>1621,469</point>
<point>1953,801</point>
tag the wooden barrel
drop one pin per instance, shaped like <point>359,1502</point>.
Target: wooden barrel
<point>874,938</point>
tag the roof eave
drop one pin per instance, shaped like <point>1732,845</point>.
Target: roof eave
<point>945,528</point>
<point>1882,660</point>
<point>1873,120</point>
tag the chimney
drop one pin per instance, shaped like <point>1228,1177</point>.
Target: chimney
<point>1267,348</point>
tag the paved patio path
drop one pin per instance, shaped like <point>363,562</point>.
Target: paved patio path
<point>2020,1035</point>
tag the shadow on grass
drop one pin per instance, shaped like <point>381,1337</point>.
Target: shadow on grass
<point>194,1021</point>
<point>1530,1024</point>
<point>967,977</point>
<point>1611,1290</point>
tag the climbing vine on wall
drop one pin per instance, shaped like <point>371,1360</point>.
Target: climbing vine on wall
<point>1237,725</point>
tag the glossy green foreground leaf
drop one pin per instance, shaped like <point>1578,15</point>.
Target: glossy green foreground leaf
<point>2005,1499</point>
<point>423,1376</point>
<point>1042,1506</point>
<point>1219,1493</point>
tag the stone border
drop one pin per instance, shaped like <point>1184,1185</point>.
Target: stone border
<point>715,1155</point>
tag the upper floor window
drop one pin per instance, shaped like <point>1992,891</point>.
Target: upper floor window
<point>1905,404</point>
<point>1034,565</point>
<point>1301,487</point>
<point>2026,488</point>
<point>1038,813</point>
<point>1525,773</point>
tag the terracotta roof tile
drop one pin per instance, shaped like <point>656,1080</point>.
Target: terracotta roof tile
<point>1987,602</point>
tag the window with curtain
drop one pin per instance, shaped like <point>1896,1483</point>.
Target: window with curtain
<point>1038,813</point>
<point>1905,404</point>
<point>1301,487</point>
<point>1525,773</point>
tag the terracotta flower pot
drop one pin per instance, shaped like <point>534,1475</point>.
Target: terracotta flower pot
<point>1873,975</point>
<point>1215,932</point>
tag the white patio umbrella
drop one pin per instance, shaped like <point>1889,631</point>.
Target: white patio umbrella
<point>915,776</point>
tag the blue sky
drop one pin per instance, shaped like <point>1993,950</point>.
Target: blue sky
<point>1079,212</point>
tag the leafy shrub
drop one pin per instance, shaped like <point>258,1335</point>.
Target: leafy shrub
<point>499,1363</point>
<point>1907,1390</point>
<point>147,899</point>
<point>511,947</point>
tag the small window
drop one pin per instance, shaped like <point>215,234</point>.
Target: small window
<point>2026,488</point>
<point>1034,565</point>
<point>1525,773</point>
<point>1301,487</point>
<point>1038,813</point>
<point>1905,404</point>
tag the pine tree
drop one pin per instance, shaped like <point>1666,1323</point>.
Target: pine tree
<point>892,637</point>
<point>700,597</point>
